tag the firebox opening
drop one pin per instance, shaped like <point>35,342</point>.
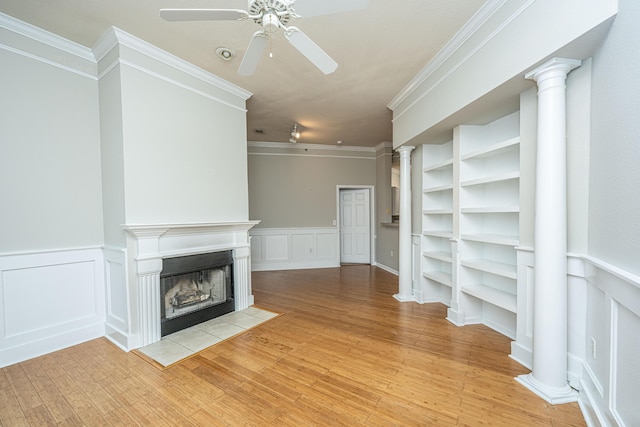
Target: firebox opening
<point>194,289</point>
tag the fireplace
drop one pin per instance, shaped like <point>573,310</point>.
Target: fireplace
<point>136,310</point>
<point>194,289</point>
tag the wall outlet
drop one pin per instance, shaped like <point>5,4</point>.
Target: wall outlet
<point>593,348</point>
<point>391,253</point>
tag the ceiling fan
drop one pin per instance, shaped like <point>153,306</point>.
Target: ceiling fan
<point>272,15</point>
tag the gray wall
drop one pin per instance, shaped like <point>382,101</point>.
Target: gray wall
<point>386,236</point>
<point>296,187</point>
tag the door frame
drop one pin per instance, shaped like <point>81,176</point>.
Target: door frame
<point>372,218</point>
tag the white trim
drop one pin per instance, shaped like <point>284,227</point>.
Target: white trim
<point>325,156</point>
<point>303,146</point>
<point>616,271</point>
<point>175,83</point>
<point>47,61</point>
<point>474,24</point>
<point>453,68</point>
<point>293,248</point>
<point>116,36</point>
<point>387,269</point>
<point>38,34</point>
<point>31,333</point>
<point>384,145</point>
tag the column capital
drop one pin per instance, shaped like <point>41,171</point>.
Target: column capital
<point>562,65</point>
<point>405,149</point>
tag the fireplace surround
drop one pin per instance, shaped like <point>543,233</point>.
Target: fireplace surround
<point>194,289</point>
<point>148,245</point>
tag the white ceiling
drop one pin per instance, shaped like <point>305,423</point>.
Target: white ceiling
<point>379,50</point>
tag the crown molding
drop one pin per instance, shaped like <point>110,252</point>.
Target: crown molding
<point>115,36</point>
<point>310,147</point>
<point>38,34</point>
<point>476,22</point>
<point>384,145</point>
<point>302,146</point>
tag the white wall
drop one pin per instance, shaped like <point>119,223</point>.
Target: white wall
<point>614,226</point>
<point>50,143</point>
<point>51,266</point>
<point>183,138</point>
<point>612,378</point>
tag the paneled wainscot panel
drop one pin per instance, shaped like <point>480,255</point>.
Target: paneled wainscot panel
<point>294,248</point>
<point>49,301</point>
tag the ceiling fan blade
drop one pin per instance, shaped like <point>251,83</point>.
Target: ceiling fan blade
<point>306,8</point>
<point>312,51</point>
<point>203,14</point>
<point>253,54</point>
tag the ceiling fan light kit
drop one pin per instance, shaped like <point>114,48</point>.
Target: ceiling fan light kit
<point>272,15</point>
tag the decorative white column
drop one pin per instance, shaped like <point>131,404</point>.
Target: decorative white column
<point>147,263</point>
<point>548,378</point>
<point>242,278</point>
<point>404,250</point>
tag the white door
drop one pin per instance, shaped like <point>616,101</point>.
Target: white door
<point>355,226</point>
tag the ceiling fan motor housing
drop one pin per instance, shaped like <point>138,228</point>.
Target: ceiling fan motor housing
<point>271,13</point>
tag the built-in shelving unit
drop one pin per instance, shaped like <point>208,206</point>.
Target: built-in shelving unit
<point>437,223</point>
<point>470,211</point>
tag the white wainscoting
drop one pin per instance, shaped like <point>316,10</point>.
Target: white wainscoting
<point>49,301</point>
<point>118,316</point>
<point>294,248</point>
<point>603,336</point>
<point>611,379</point>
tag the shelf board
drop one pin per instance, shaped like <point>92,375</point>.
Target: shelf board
<point>490,179</point>
<point>496,239</point>
<point>492,209</point>
<point>438,233</point>
<point>439,276</point>
<point>493,267</point>
<point>437,211</point>
<point>436,188</point>
<point>439,255</point>
<point>439,165</point>
<point>492,149</point>
<point>493,296</point>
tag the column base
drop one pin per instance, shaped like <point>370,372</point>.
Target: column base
<point>553,395</point>
<point>404,298</point>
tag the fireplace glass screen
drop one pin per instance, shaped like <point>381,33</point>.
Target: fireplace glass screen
<point>194,289</point>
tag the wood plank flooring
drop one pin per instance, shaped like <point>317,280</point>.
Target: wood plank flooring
<point>345,353</point>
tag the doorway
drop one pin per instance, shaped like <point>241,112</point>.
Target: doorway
<point>355,227</point>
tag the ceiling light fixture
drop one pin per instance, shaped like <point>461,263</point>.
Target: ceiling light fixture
<point>294,134</point>
<point>225,53</point>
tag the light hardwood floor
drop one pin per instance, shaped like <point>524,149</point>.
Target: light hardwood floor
<point>344,353</point>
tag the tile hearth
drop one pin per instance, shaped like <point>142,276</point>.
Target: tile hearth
<point>182,344</point>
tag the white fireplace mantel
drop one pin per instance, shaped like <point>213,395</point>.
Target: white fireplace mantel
<point>149,244</point>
